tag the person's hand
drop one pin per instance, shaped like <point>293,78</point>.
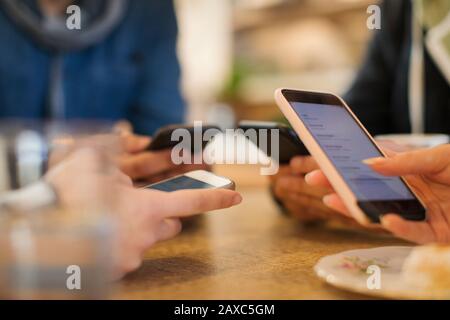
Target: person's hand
<point>300,199</point>
<point>150,166</point>
<point>84,178</point>
<point>83,181</point>
<point>149,216</point>
<point>428,173</point>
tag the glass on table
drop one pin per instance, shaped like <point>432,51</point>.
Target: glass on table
<point>56,211</point>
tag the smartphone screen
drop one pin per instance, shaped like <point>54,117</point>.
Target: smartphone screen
<point>180,183</point>
<point>347,145</point>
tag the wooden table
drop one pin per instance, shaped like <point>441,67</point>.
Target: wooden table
<point>248,252</point>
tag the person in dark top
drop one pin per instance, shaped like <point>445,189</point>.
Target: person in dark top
<point>402,87</point>
<point>383,96</point>
<point>121,65</point>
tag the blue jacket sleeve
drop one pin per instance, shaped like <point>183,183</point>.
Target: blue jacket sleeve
<point>159,101</point>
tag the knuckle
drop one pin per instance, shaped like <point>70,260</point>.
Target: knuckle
<point>132,264</point>
<point>297,162</point>
<point>177,227</point>
<point>277,191</point>
<point>127,180</point>
<point>133,168</point>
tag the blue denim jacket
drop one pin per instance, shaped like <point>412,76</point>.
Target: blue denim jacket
<point>133,74</point>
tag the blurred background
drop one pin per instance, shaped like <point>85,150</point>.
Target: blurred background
<point>235,53</point>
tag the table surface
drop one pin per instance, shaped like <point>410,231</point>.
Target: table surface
<point>248,252</point>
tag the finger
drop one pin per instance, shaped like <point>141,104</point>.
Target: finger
<point>282,171</point>
<point>317,178</point>
<point>147,164</point>
<point>168,229</point>
<point>186,203</point>
<point>133,143</point>
<point>278,190</point>
<point>284,186</point>
<point>438,221</point>
<point>426,161</point>
<point>389,152</point>
<point>123,127</point>
<point>297,184</point>
<point>311,209</point>
<point>303,165</point>
<point>120,178</point>
<point>334,202</point>
<point>418,232</point>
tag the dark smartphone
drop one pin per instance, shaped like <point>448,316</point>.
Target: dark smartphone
<point>290,144</point>
<point>162,139</point>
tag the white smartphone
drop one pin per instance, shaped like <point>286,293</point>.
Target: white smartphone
<point>339,143</point>
<point>199,179</point>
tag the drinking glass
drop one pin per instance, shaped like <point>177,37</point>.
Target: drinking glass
<point>62,249</point>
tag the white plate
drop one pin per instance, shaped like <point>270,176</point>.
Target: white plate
<point>348,270</point>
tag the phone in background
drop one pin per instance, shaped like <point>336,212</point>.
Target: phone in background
<point>290,144</point>
<point>162,139</point>
<point>199,179</point>
<point>339,143</point>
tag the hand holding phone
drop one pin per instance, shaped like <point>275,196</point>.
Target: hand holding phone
<point>340,143</point>
<point>149,216</point>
